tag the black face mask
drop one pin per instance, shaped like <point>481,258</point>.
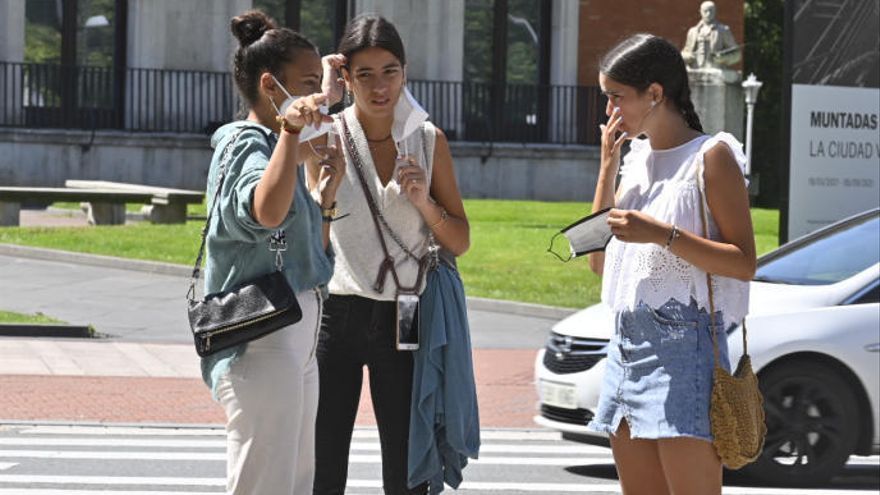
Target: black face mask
<point>588,235</point>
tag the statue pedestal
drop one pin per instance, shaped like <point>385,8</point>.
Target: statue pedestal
<point>718,99</point>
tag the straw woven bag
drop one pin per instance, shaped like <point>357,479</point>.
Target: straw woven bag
<point>737,409</point>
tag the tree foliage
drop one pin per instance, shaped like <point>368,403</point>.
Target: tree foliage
<point>763,57</point>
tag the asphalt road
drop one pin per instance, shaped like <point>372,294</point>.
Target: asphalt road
<point>140,306</point>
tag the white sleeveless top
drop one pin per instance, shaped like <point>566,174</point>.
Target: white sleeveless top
<point>666,185</point>
<point>355,239</point>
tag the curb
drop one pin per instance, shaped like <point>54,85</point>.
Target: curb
<point>95,260</point>
<point>47,330</point>
<point>518,308</point>
<point>170,426</point>
<point>156,267</point>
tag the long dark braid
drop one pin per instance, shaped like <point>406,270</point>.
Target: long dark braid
<point>686,105</point>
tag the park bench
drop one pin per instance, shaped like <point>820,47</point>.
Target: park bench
<point>106,207</point>
<point>168,205</point>
<point>104,201</point>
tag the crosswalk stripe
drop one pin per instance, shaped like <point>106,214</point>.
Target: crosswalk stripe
<point>109,480</point>
<point>353,458</point>
<point>615,488</point>
<point>112,442</point>
<point>356,483</point>
<point>585,453</point>
<point>113,455</point>
<point>221,444</point>
<point>359,433</point>
<point>124,430</point>
<point>502,434</point>
<point>221,457</point>
<point>494,448</point>
<point>54,491</point>
<point>506,461</point>
<point>7,465</point>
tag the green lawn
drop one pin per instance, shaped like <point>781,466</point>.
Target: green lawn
<point>507,259</point>
<point>39,318</point>
<point>130,207</point>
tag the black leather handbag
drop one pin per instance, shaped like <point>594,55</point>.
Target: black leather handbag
<point>245,312</point>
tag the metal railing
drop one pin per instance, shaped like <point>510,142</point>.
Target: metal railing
<point>135,100</point>
<point>178,101</point>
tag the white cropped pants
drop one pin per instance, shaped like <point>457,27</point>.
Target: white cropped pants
<point>270,396</point>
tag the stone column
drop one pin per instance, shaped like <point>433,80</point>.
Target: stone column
<point>718,98</point>
<point>12,23</point>
<point>12,30</point>
<point>170,34</point>
<point>564,69</point>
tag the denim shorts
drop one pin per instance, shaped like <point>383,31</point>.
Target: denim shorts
<point>658,374</point>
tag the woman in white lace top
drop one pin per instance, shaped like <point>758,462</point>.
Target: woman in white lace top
<point>656,393</point>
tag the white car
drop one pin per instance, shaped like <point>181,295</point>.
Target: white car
<point>814,338</point>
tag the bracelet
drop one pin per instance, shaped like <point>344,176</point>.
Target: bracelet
<point>673,235</point>
<point>287,126</point>
<point>443,217</point>
<point>329,212</point>
<point>331,219</point>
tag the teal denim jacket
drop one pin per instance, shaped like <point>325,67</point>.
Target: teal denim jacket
<point>237,245</point>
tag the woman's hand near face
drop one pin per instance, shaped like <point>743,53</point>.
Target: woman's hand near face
<point>604,196</point>
<point>275,191</point>
<point>332,84</point>
<point>610,147</point>
<point>331,172</point>
<point>307,111</point>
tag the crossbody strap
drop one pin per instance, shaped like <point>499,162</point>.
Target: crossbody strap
<point>704,219</point>
<point>277,241</point>
<point>387,264</point>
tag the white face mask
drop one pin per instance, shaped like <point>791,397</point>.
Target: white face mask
<point>308,132</point>
<point>588,235</point>
<point>408,116</point>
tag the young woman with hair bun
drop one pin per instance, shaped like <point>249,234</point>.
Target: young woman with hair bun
<point>269,387</point>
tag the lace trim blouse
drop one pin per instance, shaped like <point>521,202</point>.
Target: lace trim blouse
<point>666,184</point>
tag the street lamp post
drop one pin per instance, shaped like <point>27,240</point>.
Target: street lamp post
<point>751,86</point>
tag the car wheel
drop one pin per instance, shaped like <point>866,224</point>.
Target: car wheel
<point>811,425</point>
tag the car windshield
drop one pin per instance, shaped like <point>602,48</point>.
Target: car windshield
<point>828,258</point>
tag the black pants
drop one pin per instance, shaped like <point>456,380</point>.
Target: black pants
<point>356,332</point>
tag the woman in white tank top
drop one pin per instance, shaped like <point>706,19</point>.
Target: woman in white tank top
<point>417,198</point>
<point>656,392</point>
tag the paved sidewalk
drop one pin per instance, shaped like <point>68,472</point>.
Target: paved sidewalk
<point>74,380</point>
<point>148,371</point>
